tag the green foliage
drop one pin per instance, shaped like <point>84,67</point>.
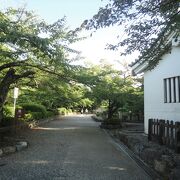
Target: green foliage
<point>146,25</point>
<point>26,55</point>
<point>115,91</point>
<point>51,113</point>
<point>8,111</point>
<point>40,66</point>
<point>36,110</point>
<point>38,115</point>
<point>28,117</point>
<point>62,111</point>
<point>34,107</point>
<point>69,111</point>
<point>85,102</point>
<point>53,93</point>
<point>32,115</point>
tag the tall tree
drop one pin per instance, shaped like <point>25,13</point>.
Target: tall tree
<point>28,45</point>
<point>53,93</point>
<point>146,24</point>
<point>111,86</point>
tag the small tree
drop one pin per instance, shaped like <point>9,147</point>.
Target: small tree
<point>110,86</point>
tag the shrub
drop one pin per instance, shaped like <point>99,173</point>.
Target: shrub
<point>38,115</point>
<point>31,116</point>
<point>34,111</point>
<point>69,111</point>
<point>8,111</point>
<point>30,107</point>
<point>28,117</point>
<point>53,111</point>
<point>62,111</point>
<point>50,114</point>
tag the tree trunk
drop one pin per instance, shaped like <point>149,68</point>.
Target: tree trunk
<point>109,110</point>
<point>110,113</point>
<point>4,88</point>
<point>9,79</point>
<point>112,108</point>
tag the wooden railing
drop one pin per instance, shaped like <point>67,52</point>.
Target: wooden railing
<point>165,132</point>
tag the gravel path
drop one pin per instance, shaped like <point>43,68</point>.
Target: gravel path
<point>72,148</point>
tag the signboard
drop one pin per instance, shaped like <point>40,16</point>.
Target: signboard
<point>16,90</point>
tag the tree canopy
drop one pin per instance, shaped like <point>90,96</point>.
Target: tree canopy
<point>34,56</point>
<point>28,46</point>
<point>146,24</point>
<point>113,88</point>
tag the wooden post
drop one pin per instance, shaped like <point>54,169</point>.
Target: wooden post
<point>154,127</point>
<point>177,137</point>
<point>161,131</point>
<point>172,136</point>
<point>150,129</point>
<point>167,134</point>
<point>158,128</point>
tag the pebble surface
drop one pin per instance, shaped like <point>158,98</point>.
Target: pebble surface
<point>70,148</point>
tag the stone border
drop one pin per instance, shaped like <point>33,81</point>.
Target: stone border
<point>19,146</point>
<point>160,158</point>
<point>149,171</point>
<point>36,123</point>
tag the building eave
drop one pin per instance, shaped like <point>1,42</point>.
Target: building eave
<point>139,66</point>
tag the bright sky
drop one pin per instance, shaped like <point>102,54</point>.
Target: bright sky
<point>76,11</point>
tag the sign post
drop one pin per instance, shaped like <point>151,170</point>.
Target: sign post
<point>15,96</point>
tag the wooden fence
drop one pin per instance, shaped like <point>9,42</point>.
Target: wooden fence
<point>165,132</point>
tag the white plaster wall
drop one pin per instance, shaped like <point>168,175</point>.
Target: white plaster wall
<point>155,107</point>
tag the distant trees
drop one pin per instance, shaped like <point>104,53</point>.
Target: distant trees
<point>113,89</point>
<point>54,93</point>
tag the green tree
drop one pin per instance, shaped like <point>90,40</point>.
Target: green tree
<point>117,90</point>
<point>29,45</point>
<point>114,90</point>
<point>53,93</point>
<point>146,24</point>
<point>107,85</point>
